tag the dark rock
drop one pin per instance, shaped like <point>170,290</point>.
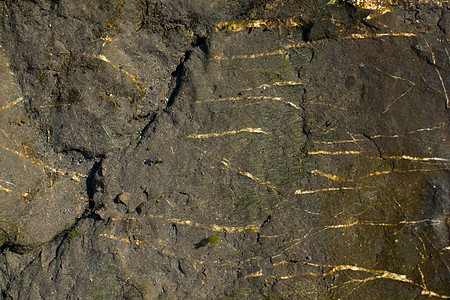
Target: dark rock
<point>224,149</point>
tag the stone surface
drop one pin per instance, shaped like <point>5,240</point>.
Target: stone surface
<point>225,149</point>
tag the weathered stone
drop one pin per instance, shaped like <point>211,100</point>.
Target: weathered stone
<point>225,149</point>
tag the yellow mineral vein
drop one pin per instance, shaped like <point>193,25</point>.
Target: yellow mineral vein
<point>24,155</point>
<point>116,238</point>
<point>423,246</point>
<point>226,163</point>
<point>7,182</point>
<point>330,176</point>
<point>422,277</point>
<point>240,25</point>
<point>357,36</point>
<point>361,282</point>
<point>225,133</point>
<point>281,263</point>
<point>338,142</point>
<point>250,56</point>
<point>213,227</point>
<point>379,13</point>
<point>312,213</point>
<point>379,274</point>
<point>249,175</point>
<point>256,274</point>
<point>302,44</point>
<point>436,221</point>
<point>380,35</point>
<point>396,99</point>
<point>18,100</point>
<point>5,189</point>
<point>400,157</point>
<point>376,173</point>
<point>441,126</point>
<point>7,136</point>
<point>254,178</point>
<point>447,103</point>
<point>368,4</point>
<point>153,244</point>
<point>132,219</point>
<point>341,225</point>
<point>433,294</point>
<point>273,236</point>
<point>332,189</point>
<point>412,158</point>
<point>239,99</point>
<point>12,192</point>
<point>279,99</point>
<point>290,103</point>
<point>105,59</point>
<point>277,83</point>
<point>425,290</point>
<point>107,39</point>
<point>102,57</point>
<point>394,76</point>
<point>334,152</point>
<point>73,175</point>
<point>378,224</point>
<point>288,277</point>
<point>363,223</point>
<point>355,141</point>
<point>21,155</point>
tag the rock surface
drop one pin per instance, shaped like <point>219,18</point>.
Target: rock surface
<point>224,149</point>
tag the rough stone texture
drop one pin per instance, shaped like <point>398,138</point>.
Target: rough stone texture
<point>224,149</point>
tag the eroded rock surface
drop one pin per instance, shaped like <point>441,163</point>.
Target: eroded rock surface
<point>203,150</point>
